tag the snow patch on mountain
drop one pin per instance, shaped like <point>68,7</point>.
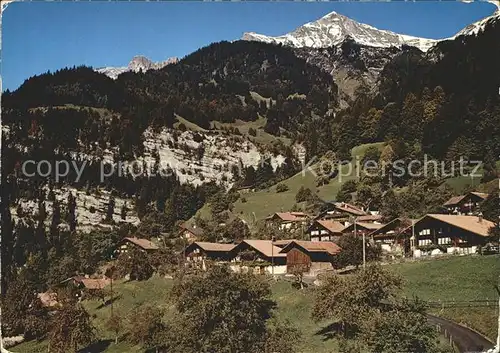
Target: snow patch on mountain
<point>334,28</point>
<point>479,26</point>
<point>138,63</point>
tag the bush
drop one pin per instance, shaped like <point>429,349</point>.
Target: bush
<point>252,132</point>
<point>281,188</point>
<point>304,194</point>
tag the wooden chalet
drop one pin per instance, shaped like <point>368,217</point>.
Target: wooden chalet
<point>190,233</point>
<point>199,251</point>
<point>449,234</point>
<point>138,243</point>
<point>340,211</point>
<point>361,228</point>
<point>263,255</point>
<point>288,220</point>
<point>310,256</point>
<point>88,285</point>
<point>467,204</point>
<point>325,230</point>
<point>392,236</point>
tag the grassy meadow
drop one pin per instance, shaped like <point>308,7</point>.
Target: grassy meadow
<point>459,278</point>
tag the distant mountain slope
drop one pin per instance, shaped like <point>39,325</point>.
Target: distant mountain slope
<point>335,28</point>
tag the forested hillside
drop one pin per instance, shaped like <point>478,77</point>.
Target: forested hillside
<point>443,103</point>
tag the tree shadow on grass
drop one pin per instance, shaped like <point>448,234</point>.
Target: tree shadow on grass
<point>109,301</point>
<point>96,347</point>
<point>334,330</point>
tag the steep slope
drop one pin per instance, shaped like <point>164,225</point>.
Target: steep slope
<point>138,63</point>
<point>335,28</point>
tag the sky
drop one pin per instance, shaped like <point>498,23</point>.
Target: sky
<point>42,36</point>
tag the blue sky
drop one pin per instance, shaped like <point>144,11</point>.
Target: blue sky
<point>42,36</point>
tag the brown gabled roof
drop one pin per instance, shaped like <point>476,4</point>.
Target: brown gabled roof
<point>314,246</point>
<point>332,226</point>
<point>469,223</point>
<point>214,246</point>
<point>290,216</point>
<point>480,194</point>
<point>370,218</point>
<point>265,247</point>
<point>455,200</point>
<point>368,226</point>
<point>95,283</point>
<point>346,207</point>
<point>282,242</point>
<point>197,231</point>
<point>400,225</point>
<point>142,243</point>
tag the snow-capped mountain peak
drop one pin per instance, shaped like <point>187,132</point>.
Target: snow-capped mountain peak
<point>477,27</point>
<point>333,28</point>
<point>138,63</point>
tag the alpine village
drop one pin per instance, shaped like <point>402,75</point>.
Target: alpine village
<point>217,203</point>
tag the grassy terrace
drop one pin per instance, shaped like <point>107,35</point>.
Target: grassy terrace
<point>262,203</point>
<point>459,278</point>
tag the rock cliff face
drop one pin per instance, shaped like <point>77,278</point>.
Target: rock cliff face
<point>200,157</point>
<point>91,209</point>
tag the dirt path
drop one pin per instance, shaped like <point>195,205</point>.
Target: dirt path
<point>465,339</point>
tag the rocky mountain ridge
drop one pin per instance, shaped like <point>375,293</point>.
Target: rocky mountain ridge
<point>138,63</point>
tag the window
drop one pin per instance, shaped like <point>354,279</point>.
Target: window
<point>444,241</point>
<point>424,242</point>
<point>425,232</point>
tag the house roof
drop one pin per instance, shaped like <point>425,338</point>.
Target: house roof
<point>142,243</point>
<point>403,223</point>
<point>332,226</point>
<point>214,246</point>
<point>290,216</point>
<point>193,230</point>
<point>346,207</point>
<point>265,247</point>
<point>370,218</point>
<point>95,283</point>
<point>366,225</point>
<point>314,246</point>
<point>480,194</point>
<point>282,242</point>
<point>455,200</point>
<point>48,299</point>
<point>469,223</point>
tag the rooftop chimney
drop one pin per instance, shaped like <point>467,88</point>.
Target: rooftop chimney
<point>480,217</point>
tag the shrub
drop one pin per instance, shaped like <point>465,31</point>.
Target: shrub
<point>281,188</point>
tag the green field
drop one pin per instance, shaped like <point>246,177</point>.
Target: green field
<point>459,278</point>
<point>262,203</point>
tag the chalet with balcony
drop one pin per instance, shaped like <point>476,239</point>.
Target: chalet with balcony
<point>288,220</point>
<point>439,233</point>
<point>467,204</point>
<point>128,243</point>
<point>340,211</point>
<point>259,256</point>
<point>325,230</point>
<point>190,233</point>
